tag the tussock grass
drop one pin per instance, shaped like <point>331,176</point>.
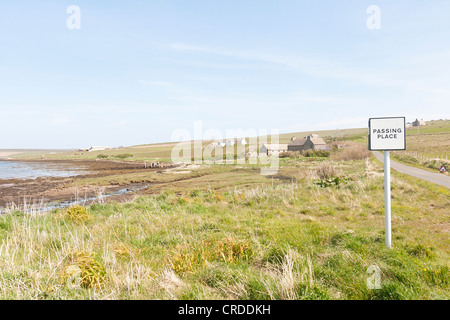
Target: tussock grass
<point>189,257</point>
<point>77,214</point>
<point>82,268</point>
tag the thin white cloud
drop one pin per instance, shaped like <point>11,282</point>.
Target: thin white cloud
<point>389,76</point>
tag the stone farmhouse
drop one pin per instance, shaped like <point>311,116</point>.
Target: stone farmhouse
<point>270,149</point>
<point>418,123</point>
<point>311,142</point>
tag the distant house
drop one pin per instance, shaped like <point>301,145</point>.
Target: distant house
<point>241,142</point>
<point>230,142</point>
<point>220,144</point>
<point>97,148</point>
<point>418,123</point>
<point>337,145</point>
<point>311,142</point>
<point>270,149</point>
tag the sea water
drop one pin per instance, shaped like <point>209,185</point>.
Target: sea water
<point>33,170</point>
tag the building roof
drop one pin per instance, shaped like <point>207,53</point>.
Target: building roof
<point>317,140</point>
<point>314,138</point>
<point>298,142</point>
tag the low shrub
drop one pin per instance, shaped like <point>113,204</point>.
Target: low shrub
<point>331,182</point>
<point>316,153</point>
<point>124,155</point>
<point>287,154</point>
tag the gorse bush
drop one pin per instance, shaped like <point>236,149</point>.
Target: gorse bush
<point>102,156</point>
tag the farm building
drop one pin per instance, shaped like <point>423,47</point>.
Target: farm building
<point>230,143</point>
<point>270,149</point>
<point>223,144</point>
<point>311,142</point>
<point>418,123</point>
<point>241,142</point>
<point>98,148</point>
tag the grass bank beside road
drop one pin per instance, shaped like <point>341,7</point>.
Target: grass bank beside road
<point>310,234</point>
<point>427,147</point>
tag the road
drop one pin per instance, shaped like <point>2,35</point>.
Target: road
<point>437,178</point>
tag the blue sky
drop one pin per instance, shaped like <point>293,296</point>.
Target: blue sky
<point>137,71</point>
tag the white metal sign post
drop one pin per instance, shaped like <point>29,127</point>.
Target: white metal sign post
<point>387,198</point>
<point>386,134</point>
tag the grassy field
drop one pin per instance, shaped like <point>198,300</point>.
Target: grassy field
<point>314,230</point>
<point>226,232</point>
<point>427,147</point>
<point>162,151</point>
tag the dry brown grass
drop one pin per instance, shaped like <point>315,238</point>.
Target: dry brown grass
<point>326,170</point>
<point>351,151</point>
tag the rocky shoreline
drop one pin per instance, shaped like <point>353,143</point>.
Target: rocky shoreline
<point>17,192</point>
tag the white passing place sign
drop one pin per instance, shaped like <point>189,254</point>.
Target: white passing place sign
<point>387,134</point>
